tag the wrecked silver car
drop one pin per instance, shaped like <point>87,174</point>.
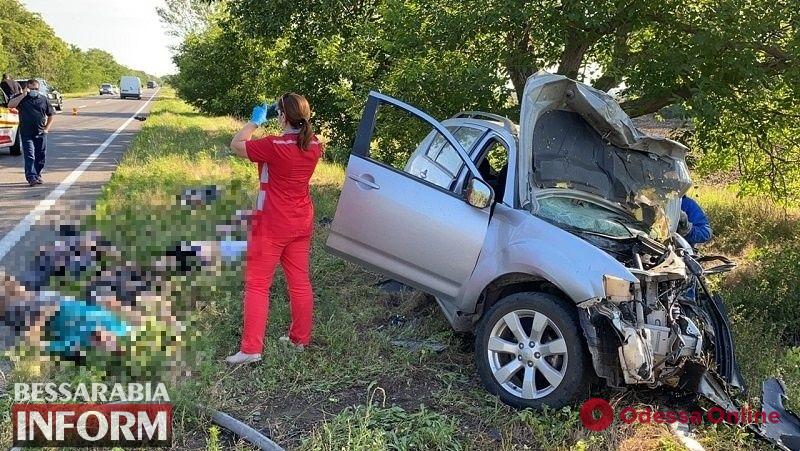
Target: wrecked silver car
<point>552,240</point>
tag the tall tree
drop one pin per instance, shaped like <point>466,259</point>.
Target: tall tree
<point>728,63</point>
<point>183,18</point>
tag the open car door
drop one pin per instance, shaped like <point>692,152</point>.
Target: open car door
<point>420,232</point>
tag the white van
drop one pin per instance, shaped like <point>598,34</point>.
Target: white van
<point>130,86</point>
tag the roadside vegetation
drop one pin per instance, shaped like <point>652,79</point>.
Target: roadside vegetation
<point>728,67</point>
<point>353,389</point>
<point>30,48</point>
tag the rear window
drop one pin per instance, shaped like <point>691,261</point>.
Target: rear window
<point>444,154</point>
<point>106,86</point>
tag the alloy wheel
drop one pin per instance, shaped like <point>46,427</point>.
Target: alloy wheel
<point>527,354</point>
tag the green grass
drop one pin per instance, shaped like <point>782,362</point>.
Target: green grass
<point>352,389</point>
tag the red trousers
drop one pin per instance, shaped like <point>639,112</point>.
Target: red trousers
<point>263,255</point>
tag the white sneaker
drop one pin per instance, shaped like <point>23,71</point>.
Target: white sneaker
<point>288,341</point>
<point>241,358</point>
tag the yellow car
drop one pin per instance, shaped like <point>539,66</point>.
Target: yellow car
<point>9,125</point>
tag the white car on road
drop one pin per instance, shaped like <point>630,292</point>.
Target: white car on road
<point>130,87</point>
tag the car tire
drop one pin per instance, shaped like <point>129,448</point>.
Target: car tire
<point>59,105</point>
<point>558,363</point>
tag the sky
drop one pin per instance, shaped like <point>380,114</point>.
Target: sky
<point>128,29</point>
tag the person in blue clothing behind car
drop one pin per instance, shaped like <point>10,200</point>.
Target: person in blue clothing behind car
<point>693,225</point>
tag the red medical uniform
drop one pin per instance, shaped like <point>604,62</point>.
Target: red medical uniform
<point>281,231</point>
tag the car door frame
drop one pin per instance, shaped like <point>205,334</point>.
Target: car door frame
<point>510,197</point>
<point>361,151</point>
<point>366,128</point>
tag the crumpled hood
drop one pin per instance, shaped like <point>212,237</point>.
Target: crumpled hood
<point>574,136</point>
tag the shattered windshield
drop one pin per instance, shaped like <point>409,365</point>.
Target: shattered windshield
<point>583,215</point>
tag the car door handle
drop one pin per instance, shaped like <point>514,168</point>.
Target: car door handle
<point>365,180</point>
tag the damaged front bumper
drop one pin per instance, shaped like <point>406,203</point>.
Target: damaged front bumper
<point>620,356</point>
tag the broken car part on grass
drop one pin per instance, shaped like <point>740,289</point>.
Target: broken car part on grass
<point>554,241</point>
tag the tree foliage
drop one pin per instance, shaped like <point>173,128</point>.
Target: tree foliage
<point>30,48</point>
<point>731,64</point>
<point>186,17</point>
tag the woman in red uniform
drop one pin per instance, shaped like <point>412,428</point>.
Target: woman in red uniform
<point>283,222</point>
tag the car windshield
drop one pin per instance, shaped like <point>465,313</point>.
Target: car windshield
<point>106,86</point>
<point>583,215</point>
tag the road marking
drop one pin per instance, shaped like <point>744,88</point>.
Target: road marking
<point>18,232</point>
<point>83,106</point>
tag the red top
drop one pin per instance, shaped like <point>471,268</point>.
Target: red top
<point>284,200</point>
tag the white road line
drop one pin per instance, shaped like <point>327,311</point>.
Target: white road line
<point>83,106</point>
<point>18,232</point>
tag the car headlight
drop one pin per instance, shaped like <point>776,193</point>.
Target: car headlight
<point>617,290</point>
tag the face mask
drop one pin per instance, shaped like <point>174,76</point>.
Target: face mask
<point>34,94</point>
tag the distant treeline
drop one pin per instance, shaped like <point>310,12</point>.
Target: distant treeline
<point>29,48</point>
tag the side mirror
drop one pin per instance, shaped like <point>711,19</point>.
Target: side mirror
<point>478,193</point>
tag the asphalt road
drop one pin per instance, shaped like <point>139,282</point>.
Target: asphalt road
<point>73,140</point>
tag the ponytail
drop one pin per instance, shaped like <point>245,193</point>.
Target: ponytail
<point>306,135</point>
<point>297,112</point>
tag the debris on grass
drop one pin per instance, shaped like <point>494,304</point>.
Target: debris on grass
<point>393,286</point>
<point>416,345</point>
<point>244,431</point>
<point>397,320</point>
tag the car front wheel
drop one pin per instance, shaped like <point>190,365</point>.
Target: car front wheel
<point>529,351</point>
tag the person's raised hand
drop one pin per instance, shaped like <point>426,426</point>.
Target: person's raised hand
<point>259,114</point>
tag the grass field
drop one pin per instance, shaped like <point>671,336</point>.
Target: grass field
<point>352,389</point>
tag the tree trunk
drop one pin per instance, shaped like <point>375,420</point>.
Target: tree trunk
<point>518,78</point>
<point>572,57</point>
<point>518,60</point>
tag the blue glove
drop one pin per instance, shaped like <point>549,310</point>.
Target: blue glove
<point>259,114</point>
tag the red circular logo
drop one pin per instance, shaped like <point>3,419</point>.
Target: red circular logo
<point>601,422</point>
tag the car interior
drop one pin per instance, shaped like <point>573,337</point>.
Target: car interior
<point>493,167</point>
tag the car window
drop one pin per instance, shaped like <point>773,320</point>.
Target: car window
<point>497,155</point>
<point>445,155</point>
<point>413,146</point>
